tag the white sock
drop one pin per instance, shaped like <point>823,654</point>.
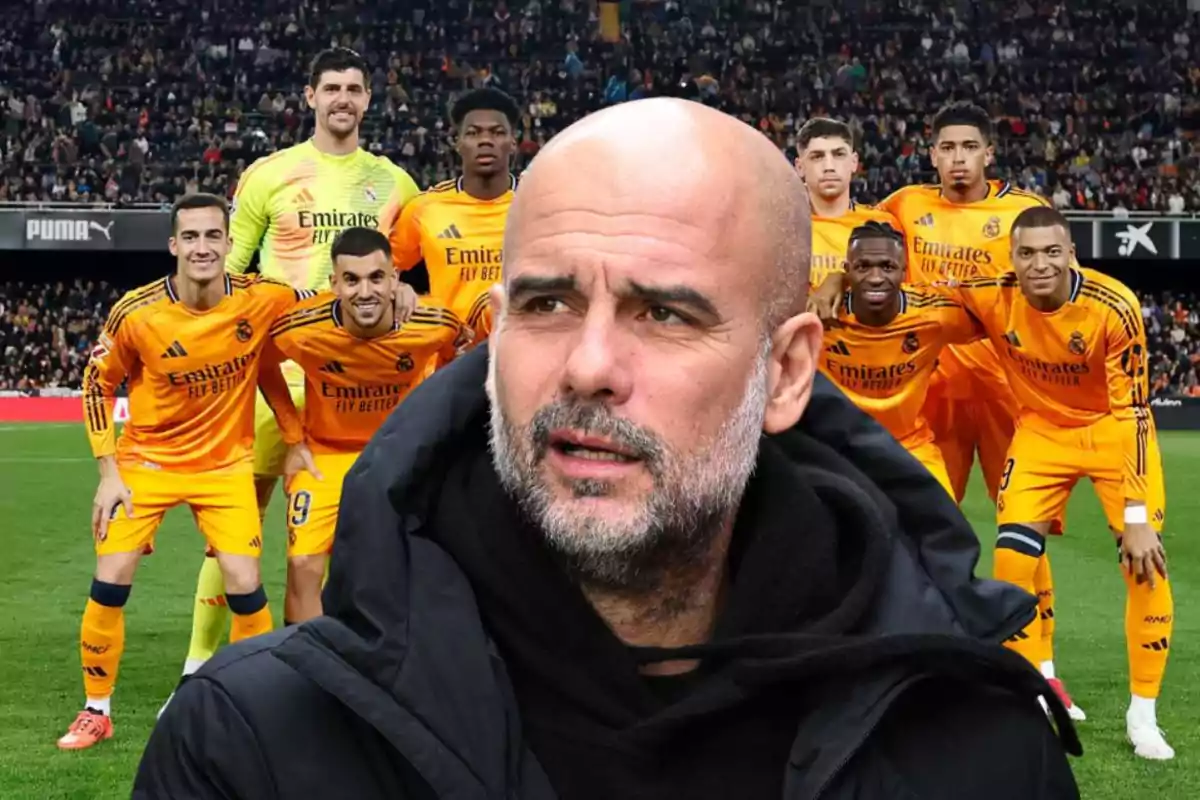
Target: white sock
<point>1142,709</point>
<point>101,704</point>
<point>192,664</point>
<point>1047,668</point>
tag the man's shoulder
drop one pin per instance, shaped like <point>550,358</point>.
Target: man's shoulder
<point>1004,745</point>
<point>137,303</point>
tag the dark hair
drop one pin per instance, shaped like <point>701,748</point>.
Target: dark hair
<point>964,113</point>
<point>198,200</point>
<point>823,126</point>
<point>485,100</point>
<point>360,242</point>
<point>1040,217</point>
<point>335,59</point>
<point>876,230</point>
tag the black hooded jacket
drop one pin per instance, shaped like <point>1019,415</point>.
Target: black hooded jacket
<point>455,661</point>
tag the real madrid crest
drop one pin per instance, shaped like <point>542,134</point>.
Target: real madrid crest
<point>404,362</point>
<point>369,193</point>
<point>1076,344</point>
<point>243,331</point>
<point>992,229</point>
<point>911,343</point>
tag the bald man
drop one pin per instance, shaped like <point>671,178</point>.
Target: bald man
<point>637,548</point>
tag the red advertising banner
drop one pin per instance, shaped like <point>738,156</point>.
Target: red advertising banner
<point>53,409</point>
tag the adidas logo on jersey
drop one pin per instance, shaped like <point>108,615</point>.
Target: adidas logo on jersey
<point>451,232</point>
<point>304,198</point>
<point>334,367</point>
<point>925,221</point>
<point>174,351</point>
<point>838,347</point>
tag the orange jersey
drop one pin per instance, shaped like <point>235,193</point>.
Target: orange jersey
<point>961,241</point>
<point>192,375</point>
<point>461,240</point>
<point>1072,367</point>
<point>352,384</point>
<point>831,238</point>
<point>885,370</point>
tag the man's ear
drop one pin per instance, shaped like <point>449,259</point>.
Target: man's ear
<point>498,299</point>
<point>795,348</point>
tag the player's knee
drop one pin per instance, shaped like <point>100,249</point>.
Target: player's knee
<point>241,573</point>
<point>118,568</point>
<point>306,572</point>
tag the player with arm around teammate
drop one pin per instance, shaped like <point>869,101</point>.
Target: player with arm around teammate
<point>359,363</point>
<point>190,346</point>
<point>288,208</point>
<point>884,351</point>
<point>1074,346</point>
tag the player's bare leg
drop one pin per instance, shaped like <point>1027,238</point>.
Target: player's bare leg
<point>245,595</point>
<point>1149,623</point>
<point>305,576</point>
<point>101,645</point>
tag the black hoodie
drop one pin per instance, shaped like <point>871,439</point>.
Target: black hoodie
<point>455,660</point>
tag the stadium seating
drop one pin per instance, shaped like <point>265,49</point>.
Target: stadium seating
<point>1091,101</point>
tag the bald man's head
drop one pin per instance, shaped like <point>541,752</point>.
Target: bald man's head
<point>696,164</point>
<point>648,332</point>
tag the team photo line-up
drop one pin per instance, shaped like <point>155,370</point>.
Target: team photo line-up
<point>954,314</point>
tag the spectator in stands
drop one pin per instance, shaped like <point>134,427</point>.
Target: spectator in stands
<point>47,332</point>
<point>1091,101</point>
<point>1173,334</point>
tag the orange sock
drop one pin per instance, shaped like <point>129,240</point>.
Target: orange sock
<point>1043,584</point>
<point>1018,550</point>
<point>251,614</point>
<point>1149,621</point>
<point>102,639</point>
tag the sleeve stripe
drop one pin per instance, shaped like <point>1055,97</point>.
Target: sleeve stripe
<point>1114,302</point>
<point>94,401</point>
<point>1142,413</point>
<point>126,307</point>
<point>454,326</point>
<point>301,319</point>
<point>435,314</point>
<point>477,309</point>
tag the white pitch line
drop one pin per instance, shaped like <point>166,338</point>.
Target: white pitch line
<point>33,426</point>
<point>41,460</point>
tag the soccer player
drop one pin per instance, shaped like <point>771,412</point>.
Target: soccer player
<point>1074,348</point>
<point>827,161</point>
<point>359,363</point>
<point>457,227</point>
<point>958,229</point>
<point>884,352</point>
<point>190,347</point>
<point>288,207</point>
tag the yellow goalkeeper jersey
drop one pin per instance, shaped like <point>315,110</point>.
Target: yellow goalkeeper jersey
<point>291,204</point>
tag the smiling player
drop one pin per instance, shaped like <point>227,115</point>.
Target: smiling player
<point>359,363</point>
<point>884,352</point>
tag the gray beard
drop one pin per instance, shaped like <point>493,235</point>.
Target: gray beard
<point>694,496</point>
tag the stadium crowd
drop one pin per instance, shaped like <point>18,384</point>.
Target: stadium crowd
<point>46,332</point>
<point>1092,100</point>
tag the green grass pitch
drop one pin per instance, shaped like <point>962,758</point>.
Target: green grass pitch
<point>48,481</point>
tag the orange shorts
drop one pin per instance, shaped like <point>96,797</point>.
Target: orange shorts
<point>960,427</point>
<point>222,502</point>
<point>1045,463</point>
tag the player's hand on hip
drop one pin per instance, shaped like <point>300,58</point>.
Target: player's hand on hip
<point>406,302</point>
<point>1142,552</point>
<point>826,300</point>
<point>300,458</point>
<point>111,494</point>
